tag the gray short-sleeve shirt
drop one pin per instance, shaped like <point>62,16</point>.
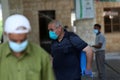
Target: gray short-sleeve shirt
<point>100,39</point>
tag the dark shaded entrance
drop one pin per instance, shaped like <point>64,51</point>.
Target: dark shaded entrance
<point>44,18</point>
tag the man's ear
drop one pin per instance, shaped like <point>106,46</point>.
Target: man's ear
<point>60,28</point>
<point>6,34</point>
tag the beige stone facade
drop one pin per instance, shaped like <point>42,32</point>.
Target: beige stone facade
<point>63,8</point>
<point>113,39</point>
<point>30,8</point>
<point>85,27</point>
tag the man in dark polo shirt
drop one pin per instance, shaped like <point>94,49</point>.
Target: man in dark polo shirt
<point>65,50</point>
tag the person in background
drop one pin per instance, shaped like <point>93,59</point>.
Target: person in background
<point>21,59</point>
<point>66,63</point>
<point>100,44</point>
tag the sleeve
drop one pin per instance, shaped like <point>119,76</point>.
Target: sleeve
<point>78,42</point>
<point>0,56</point>
<point>101,39</point>
<point>47,70</point>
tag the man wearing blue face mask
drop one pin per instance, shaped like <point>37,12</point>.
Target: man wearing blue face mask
<point>100,44</point>
<point>66,63</point>
<point>19,58</point>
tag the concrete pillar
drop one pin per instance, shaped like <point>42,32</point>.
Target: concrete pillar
<point>5,13</point>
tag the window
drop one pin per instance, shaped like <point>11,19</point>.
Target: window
<point>112,20</point>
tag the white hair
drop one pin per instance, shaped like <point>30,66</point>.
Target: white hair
<point>57,23</point>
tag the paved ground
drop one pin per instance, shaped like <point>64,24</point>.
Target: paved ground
<point>112,67</point>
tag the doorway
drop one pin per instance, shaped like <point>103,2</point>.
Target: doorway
<point>45,17</point>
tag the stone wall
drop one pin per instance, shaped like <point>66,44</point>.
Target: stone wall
<point>85,30</point>
<point>113,39</point>
<point>85,27</point>
<point>113,42</point>
<point>63,8</point>
<point>30,8</point>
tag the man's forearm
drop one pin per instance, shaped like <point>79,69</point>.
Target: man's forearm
<point>89,56</point>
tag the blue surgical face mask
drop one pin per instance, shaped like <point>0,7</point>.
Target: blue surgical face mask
<point>96,31</point>
<point>18,47</point>
<point>53,35</point>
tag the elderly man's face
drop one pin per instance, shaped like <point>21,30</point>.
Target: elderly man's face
<point>52,27</point>
<point>18,38</point>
